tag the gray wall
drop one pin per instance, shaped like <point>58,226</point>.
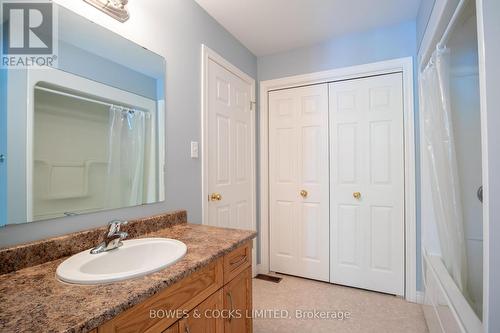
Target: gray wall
<point>354,49</point>
<point>83,63</point>
<point>174,29</point>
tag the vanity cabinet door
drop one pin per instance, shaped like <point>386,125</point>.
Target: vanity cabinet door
<point>238,303</point>
<point>206,317</point>
<point>183,295</point>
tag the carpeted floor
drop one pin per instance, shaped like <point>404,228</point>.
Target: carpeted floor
<point>362,311</point>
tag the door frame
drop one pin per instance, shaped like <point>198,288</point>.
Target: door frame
<point>403,65</point>
<point>208,54</point>
<point>489,51</point>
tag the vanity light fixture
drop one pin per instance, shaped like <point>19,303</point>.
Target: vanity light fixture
<point>117,9</point>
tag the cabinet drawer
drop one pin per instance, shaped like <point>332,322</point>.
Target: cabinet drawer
<point>237,261</point>
<point>183,295</point>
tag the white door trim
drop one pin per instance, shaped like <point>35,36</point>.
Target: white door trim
<point>404,65</point>
<point>206,55</point>
<point>489,51</point>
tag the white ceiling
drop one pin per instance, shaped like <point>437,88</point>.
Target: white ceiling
<point>270,26</point>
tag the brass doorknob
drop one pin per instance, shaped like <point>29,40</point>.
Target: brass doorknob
<point>356,195</point>
<point>304,194</point>
<point>215,196</point>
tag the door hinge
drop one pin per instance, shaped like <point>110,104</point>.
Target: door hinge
<point>252,103</point>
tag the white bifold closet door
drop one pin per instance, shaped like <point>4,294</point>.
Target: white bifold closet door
<point>367,183</point>
<point>298,179</point>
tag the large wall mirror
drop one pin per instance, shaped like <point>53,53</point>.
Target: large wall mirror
<point>86,135</point>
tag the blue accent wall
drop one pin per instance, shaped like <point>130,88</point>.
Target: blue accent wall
<point>352,49</point>
<point>86,64</point>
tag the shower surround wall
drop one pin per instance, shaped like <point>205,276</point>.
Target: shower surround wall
<point>62,181</point>
<point>75,171</point>
<point>462,81</point>
<point>464,96</point>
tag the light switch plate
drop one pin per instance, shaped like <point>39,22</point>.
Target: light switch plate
<point>194,149</point>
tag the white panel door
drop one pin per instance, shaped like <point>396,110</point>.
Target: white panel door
<point>230,150</point>
<point>298,161</point>
<point>367,183</point>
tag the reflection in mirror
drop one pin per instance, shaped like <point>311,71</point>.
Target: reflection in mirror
<point>89,153</point>
<point>88,135</point>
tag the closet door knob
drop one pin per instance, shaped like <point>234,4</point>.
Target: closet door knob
<point>304,194</point>
<point>356,195</point>
<point>215,197</point>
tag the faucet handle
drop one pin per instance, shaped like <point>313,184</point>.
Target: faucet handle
<point>114,226</point>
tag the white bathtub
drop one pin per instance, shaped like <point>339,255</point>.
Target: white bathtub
<point>445,308</point>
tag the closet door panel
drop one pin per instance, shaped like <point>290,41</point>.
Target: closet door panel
<point>298,169</point>
<point>283,169</point>
<point>367,172</point>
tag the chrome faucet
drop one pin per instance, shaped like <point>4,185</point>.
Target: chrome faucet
<point>112,239</point>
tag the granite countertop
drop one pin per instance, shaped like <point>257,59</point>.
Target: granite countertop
<point>33,300</point>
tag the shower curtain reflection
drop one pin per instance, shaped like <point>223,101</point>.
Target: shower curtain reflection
<point>445,182</point>
<point>127,141</point>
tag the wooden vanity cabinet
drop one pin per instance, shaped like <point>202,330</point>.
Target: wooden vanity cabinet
<point>205,318</point>
<point>205,297</point>
<point>172,329</point>
<point>238,300</point>
<point>236,261</point>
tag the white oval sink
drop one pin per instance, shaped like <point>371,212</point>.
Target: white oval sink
<point>136,257</point>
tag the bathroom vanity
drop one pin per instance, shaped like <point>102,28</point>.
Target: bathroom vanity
<point>217,298</point>
<point>208,290</point>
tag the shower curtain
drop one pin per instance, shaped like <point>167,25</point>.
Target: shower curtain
<point>440,145</point>
<point>125,175</point>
